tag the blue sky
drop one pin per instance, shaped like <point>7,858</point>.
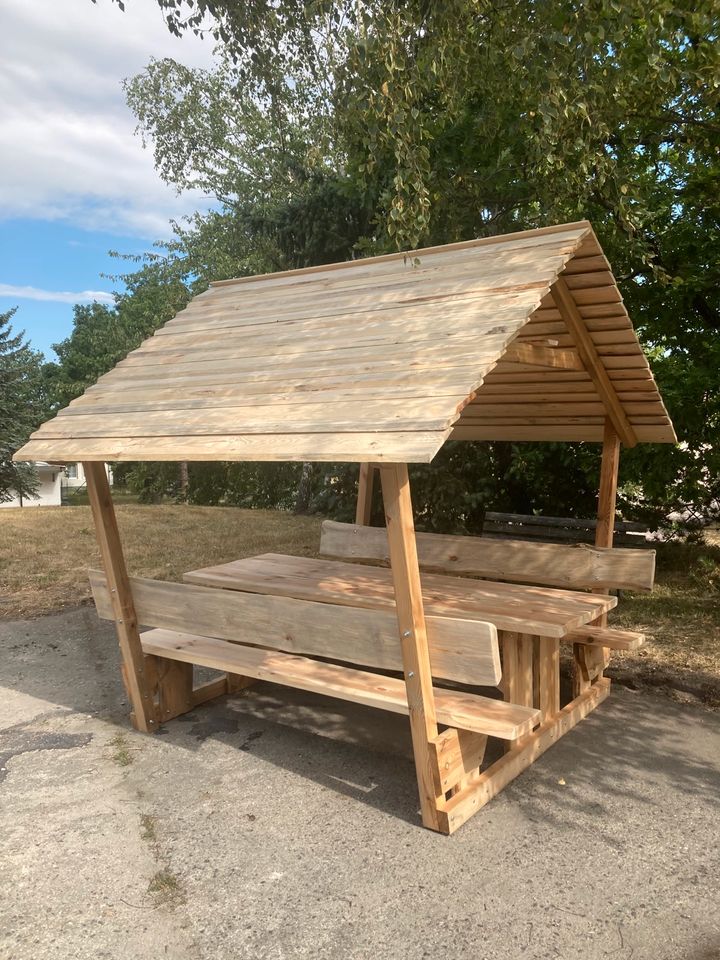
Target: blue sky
<point>75,181</point>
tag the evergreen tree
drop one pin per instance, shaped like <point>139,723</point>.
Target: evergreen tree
<point>22,408</point>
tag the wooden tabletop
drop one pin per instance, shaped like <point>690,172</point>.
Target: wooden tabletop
<point>541,611</point>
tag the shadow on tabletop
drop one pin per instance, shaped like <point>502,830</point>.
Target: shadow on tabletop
<point>70,661</point>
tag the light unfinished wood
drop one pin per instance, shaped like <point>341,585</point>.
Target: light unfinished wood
<point>540,610</point>
<point>461,650</point>
<point>460,807</point>
<point>608,637</point>
<point>120,606</point>
<point>458,755</point>
<point>462,710</point>
<point>368,329</point>
<point>366,483</point>
<point>521,561</point>
<point>540,356</point>
<point>349,447</point>
<point>174,687</point>
<point>412,628</point>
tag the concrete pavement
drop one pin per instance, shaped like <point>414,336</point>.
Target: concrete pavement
<point>280,826</point>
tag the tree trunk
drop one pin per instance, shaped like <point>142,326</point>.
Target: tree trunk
<point>183,480</point>
<point>302,500</point>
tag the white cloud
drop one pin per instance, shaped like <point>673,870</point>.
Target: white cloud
<point>69,150</point>
<point>14,292</point>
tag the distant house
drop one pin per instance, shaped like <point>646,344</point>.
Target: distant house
<point>74,476</point>
<point>49,488</point>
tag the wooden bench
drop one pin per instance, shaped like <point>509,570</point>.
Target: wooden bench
<point>564,529</point>
<point>221,629</point>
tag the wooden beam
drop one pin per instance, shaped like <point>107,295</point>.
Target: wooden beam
<point>413,635</point>
<point>542,356</point>
<point>586,349</point>
<point>590,661</point>
<point>607,494</point>
<point>137,681</point>
<point>363,511</point>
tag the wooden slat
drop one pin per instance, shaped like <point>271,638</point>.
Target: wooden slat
<point>466,711</point>
<point>413,447</point>
<point>569,434</point>
<point>542,610</point>
<point>366,482</point>
<point>458,754</point>
<point>544,563</point>
<point>461,650</point>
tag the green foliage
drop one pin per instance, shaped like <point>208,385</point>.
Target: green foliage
<point>335,127</point>
<point>104,335</point>
<point>23,406</point>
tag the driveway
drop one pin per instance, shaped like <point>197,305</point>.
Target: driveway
<point>279,825</point>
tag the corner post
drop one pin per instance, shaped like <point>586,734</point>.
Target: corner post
<point>590,661</point>
<point>133,660</point>
<point>366,482</point>
<point>413,635</point>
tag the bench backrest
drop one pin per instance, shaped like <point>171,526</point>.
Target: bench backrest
<point>466,651</point>
<point>576,567</point>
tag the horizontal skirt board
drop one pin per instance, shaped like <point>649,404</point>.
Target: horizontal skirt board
<point>410,447</point>
<point>460,650</point>
<point>322,336</point>
<point>556,565</point>
<point>464,711</point>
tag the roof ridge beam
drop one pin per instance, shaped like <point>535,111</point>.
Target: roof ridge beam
<point>588,353</point>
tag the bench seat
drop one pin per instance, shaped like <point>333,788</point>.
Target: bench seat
<point>464,711</point>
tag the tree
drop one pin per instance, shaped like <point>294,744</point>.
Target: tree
<point>465,119</point>
<point>22,408</point>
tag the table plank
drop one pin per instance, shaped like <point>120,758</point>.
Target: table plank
<point>541,611</point>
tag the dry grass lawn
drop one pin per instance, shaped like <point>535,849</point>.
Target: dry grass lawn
<point>45,553</point>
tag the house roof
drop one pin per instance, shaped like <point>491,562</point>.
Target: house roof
<point>516,337</point>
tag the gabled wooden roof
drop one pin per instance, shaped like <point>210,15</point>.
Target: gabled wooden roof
<point>379,359</point>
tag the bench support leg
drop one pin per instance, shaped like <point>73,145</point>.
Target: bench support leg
<point>413,636</point>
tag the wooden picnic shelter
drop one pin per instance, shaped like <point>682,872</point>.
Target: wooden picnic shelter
<point>522,337</point>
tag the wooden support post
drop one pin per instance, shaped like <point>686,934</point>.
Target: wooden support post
<point>591,661</point>
<point>137,681</point>
<point>413,636</point>
<point>363,511</point>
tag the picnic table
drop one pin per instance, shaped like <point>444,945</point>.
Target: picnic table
<point>379,362</point>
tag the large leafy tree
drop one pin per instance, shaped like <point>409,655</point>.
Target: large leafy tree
<point>452,120</point>
<point>23,406</point>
